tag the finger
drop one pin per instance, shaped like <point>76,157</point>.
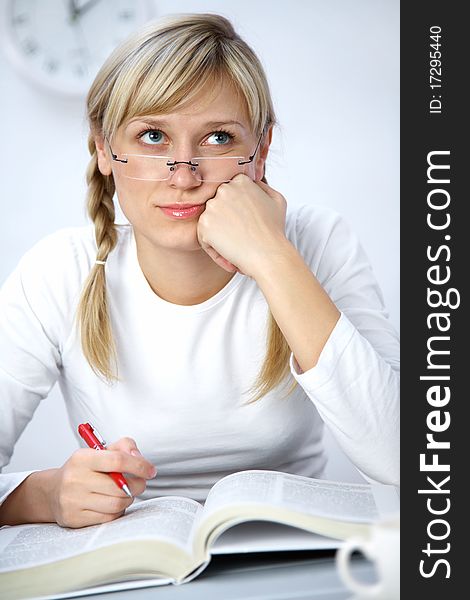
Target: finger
<point>278,198</point>
<point>273,194</point>
<point>117,461</point>
<point>91,517</point>
<point>137,485</point>
<point>268,189</point>
<point>220,260</point>
<point>102,483</point>
<point>109,505</point>
<point>126,444</point>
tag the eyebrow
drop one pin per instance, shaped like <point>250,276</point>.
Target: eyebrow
<point>161,122</point>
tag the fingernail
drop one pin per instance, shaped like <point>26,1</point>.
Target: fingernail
<point>135,453</point>
<point>154,472</point>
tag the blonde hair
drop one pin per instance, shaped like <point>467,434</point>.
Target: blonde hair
<point>160,69</point>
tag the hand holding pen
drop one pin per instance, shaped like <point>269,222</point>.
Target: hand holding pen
<point>93,439</point>
<point>83,492</point>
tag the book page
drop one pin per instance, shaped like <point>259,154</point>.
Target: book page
<point>168,518</point>
<point>321,498</point>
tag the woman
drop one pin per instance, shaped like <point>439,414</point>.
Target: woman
<point>209,335</point>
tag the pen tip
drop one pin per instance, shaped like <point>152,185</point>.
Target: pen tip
<point>127,490</point>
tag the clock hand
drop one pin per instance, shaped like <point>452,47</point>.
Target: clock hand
<point>80,10</point>
<point>73,11</point>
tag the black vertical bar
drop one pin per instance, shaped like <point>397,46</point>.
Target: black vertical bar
<point>435,269</point>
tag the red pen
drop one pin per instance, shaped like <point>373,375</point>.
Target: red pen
<point>93,439</point>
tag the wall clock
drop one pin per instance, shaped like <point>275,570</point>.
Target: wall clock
<point>60,44</point>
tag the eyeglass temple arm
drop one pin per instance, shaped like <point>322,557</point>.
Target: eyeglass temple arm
<point>250,159</point>
<point>122,160</point>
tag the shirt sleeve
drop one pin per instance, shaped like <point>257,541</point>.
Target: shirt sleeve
<point>29,349</point>
<point>355,383</point>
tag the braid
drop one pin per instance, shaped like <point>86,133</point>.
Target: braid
<point>100,205</point>
<point>93,317</point>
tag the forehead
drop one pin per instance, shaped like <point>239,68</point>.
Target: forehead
<point>215,105</point>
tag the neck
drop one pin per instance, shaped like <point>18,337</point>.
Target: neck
<point>181,277</point>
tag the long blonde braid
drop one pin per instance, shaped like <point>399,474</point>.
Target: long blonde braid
<point>92,314</point>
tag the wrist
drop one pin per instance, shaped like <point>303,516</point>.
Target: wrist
<point>30,502</point>
<point>47,491</point>
<point>279,258</point>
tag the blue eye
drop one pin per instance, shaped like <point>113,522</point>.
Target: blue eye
<point>220,137</point>
<point>152,136</point>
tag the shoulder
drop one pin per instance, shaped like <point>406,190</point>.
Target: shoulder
<point>304,219</point>
<point>49,277</point>
<point>71,240</point>
<point>320,234</point>
<point>46,285</point>
<point>64,255</point>
<point>47,281</point>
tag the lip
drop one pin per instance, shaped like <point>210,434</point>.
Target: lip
<point>183,211</point>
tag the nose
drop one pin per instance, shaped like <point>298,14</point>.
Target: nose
<point>182,176</point>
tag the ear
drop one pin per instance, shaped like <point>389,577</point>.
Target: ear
<point>104,160</point>
<point>262,154</point>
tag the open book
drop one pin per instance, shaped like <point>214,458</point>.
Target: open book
<point>172,538</point>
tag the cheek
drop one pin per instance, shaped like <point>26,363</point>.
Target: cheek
<point>135,199</point>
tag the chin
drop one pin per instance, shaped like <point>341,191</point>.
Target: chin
<point>179,237</point>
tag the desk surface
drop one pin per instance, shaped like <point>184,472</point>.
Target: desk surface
<point>274,576</point>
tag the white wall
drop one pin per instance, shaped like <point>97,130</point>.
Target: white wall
<point>333,66</point>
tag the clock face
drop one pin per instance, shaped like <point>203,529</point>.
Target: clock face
<point>61,44</point>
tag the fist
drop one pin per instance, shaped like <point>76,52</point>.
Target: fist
<point>243,224</point>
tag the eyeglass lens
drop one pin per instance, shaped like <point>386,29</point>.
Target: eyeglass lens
<point>156,168</point>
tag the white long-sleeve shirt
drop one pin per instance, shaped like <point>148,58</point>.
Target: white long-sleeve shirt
<point>184,371</point>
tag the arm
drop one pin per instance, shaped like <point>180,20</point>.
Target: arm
<point>36,310</point>
<point>302,309</point>
<point>324,297</point>
<point>80,493</point>
<point>355,383</point>
<point>29,358</point>
<point>29,502</point>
